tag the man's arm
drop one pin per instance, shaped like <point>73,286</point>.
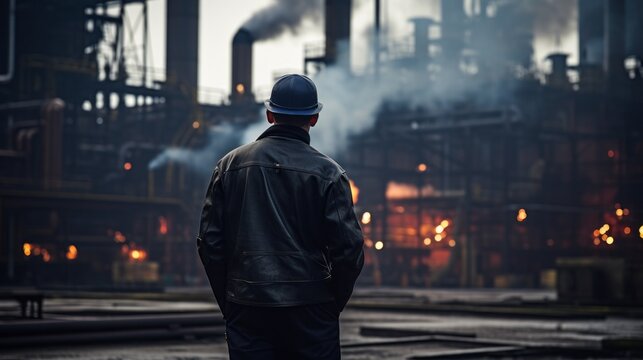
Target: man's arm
<point>210,242</point>
<point>345,240</point>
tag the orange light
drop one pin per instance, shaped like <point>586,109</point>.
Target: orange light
<point>162,225</point>
<point>610,240</point>
<point>354,191</point>
<point>619,212</point>
<point>439,229</point>
<point>368,243</point>
<point>596,233</point>
<point>597,241</point>
<point>379,245</point>
<point>26,249</point>
<point>137,255</point>
<point>604,237</point>
<point>451,243</point>
<point>445,223</point>
<point>196,124</point>
<point>241,89</point>
<point>366,218</point>
<point>127,166</point>
<point>438,237</point>
<point>427,241</point>
<point>119,237</point>
<point>422,167</point>
<point>46,257</point>
<point>522,215</point>
<point>72,252</point>
<point>627,230</point>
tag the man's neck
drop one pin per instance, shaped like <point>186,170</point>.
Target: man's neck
<point>303,127</point>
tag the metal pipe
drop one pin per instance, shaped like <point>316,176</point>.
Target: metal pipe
<point>10,54</point>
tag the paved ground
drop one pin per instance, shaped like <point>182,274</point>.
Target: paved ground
<point>366,333</point>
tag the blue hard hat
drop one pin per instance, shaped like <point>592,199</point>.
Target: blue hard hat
<point>294,94</point>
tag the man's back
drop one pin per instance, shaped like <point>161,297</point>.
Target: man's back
<point>279,240</point>
<point>276,191</point>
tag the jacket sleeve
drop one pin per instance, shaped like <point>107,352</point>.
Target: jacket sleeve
<point>210,241</point>
<point>345,240</point>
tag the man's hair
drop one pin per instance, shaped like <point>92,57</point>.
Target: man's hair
<point>297,120</point>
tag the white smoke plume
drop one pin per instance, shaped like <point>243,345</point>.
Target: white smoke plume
<point>201,161</point>
<point>283,16</point>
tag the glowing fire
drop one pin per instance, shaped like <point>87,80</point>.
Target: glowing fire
<point>119,237</point>
<point>26,249</point>
<point>522,215</point>
<point>72,252</point>
<point>354,191</point>
<point>163,225</point>
<point>396,191</point>
<point>137,254</point>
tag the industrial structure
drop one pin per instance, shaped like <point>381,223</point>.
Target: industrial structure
<point>528,180</point>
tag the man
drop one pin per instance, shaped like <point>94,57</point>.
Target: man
<point>279,239</point>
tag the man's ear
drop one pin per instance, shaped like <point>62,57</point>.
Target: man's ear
<point>313,120</point>
<point>270,117</point>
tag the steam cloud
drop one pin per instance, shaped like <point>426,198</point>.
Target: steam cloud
<point>282,16</point>
<point>220,139</point>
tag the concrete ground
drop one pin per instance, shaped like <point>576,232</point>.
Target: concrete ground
<point>379,324</point>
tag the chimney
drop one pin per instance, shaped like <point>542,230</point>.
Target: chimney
<point>421,39</point>
<point>338,31</point>
<point>452,34</point>
<point>558,75</point>
<point>182,47</point>
<point>634,28</point>
<point>590,32</point>
<point>590,44</point>
<point>241,86</point>
<point>614,54</point>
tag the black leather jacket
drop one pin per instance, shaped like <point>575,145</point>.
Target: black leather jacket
<point>278,226</point>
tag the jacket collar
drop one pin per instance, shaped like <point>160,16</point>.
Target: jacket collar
<point>288,131</point>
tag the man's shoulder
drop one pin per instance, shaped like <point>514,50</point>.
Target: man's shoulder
<point>233,155</point>
<point>326,165</point>
<point>306,159</point>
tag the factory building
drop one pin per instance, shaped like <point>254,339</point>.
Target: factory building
<point>520,179</point>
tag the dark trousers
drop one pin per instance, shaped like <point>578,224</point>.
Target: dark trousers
<point>294,332</point>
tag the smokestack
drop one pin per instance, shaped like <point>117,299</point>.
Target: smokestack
<point>590,32</point>
<point>558,75</point>
<point>614,55</point>
<point>421,39</point>
<point>452,34</point>
<point>182,51</point>
<point>241,86</point>
<point>338,31</point>
<point>634,28</point>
